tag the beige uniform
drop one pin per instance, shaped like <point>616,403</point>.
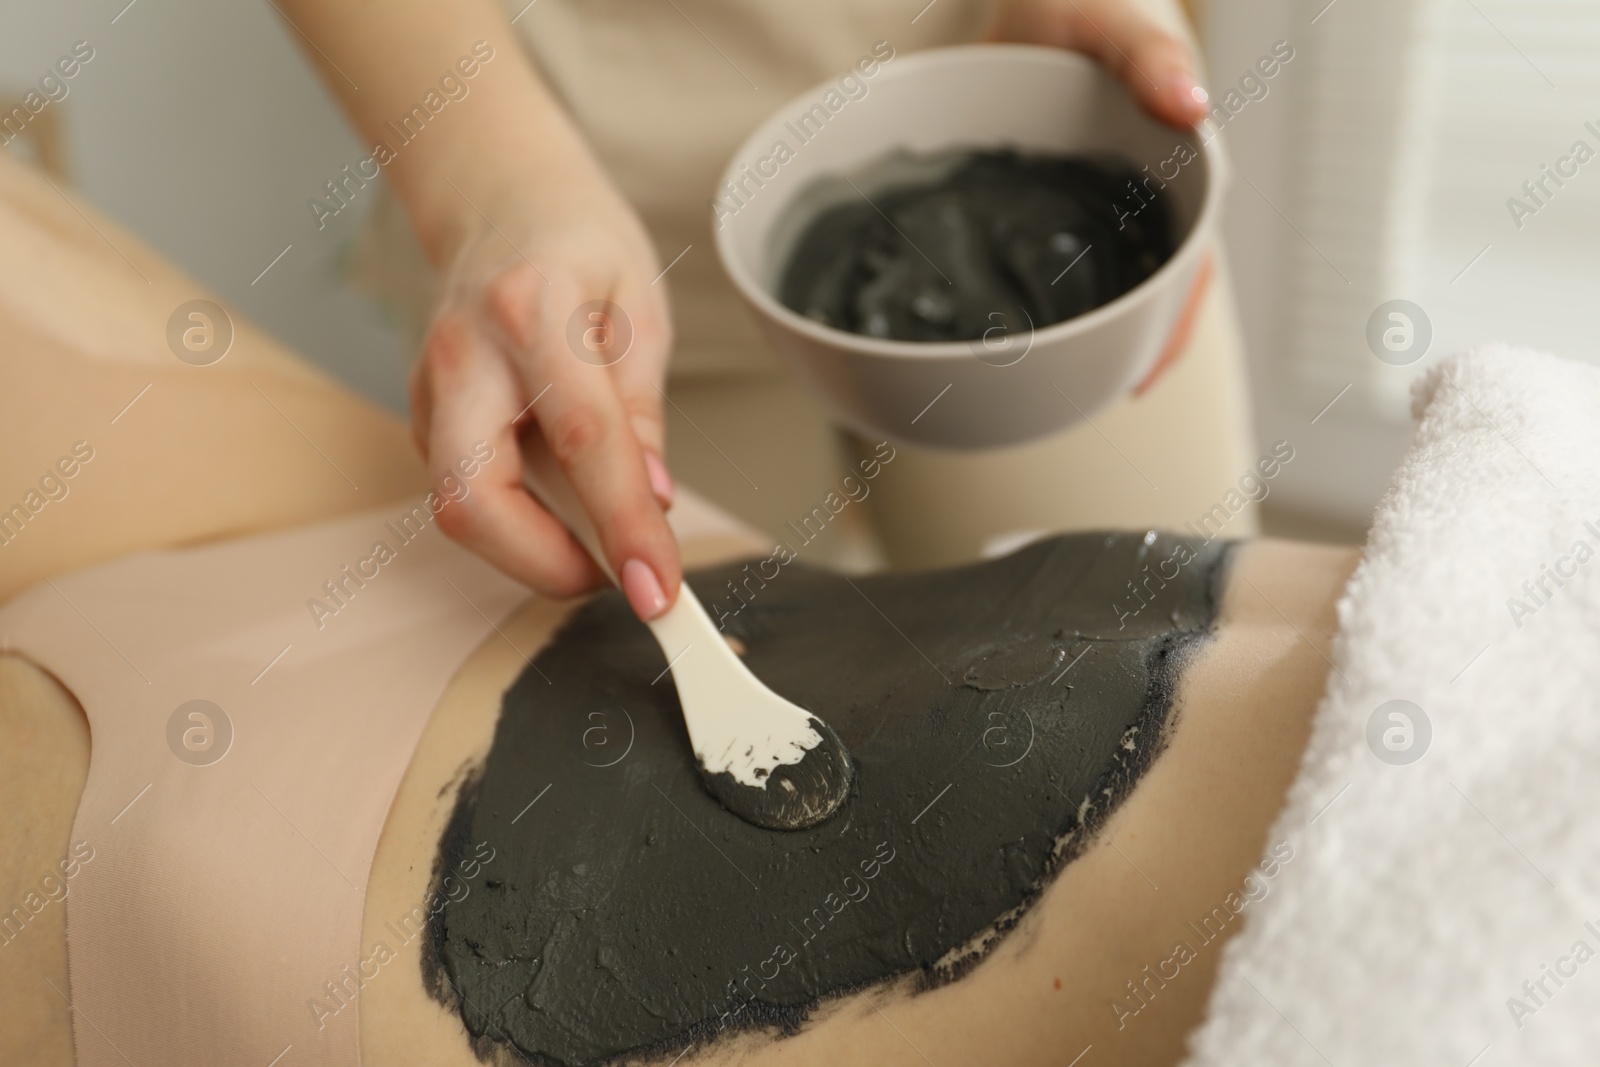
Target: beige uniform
<point>665,91</point>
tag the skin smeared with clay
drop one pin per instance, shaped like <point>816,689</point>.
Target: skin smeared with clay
<point>996,714</point>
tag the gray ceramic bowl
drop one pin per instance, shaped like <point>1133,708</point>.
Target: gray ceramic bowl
<point>1005,389</point>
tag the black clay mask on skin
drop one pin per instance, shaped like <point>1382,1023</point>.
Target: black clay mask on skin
<point>997,714</point>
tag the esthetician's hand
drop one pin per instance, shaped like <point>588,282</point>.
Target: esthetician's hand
<point>1157,67</point>
<point>518,216</point>
<point>550,326</point>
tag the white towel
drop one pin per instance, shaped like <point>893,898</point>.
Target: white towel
<point>1447,911</point>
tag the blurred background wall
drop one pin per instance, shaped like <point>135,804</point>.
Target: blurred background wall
<point>199,126</point>
<point>1376,165</point>
<point>1380,166</point>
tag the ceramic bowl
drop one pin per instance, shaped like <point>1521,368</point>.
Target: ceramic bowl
<point>1003,389</point>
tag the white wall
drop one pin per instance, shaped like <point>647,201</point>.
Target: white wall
<point>1342,461</point>
<point>1377,167</point>
<point>199,126</point>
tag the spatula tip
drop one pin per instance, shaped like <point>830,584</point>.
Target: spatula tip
<point>795,796</point>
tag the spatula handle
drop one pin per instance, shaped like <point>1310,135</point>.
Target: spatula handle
<point>549,483</point>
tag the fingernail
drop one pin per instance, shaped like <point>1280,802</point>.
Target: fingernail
<point>1191,96</point>
<point>660,478</point>
<point>643,589</point>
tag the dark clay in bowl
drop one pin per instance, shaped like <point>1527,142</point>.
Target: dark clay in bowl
<point>997,239</point>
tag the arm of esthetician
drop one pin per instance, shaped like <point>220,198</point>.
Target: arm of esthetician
<point>530,237</point>
<point>538,250</point>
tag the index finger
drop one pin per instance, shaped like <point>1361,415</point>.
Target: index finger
<point>570,342</point>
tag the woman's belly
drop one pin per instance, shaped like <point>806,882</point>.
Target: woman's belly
<point>1117,951</point>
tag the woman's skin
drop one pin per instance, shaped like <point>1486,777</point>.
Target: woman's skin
<point>1183,841</point>
<point>1187,837</point>
<point>516,213</point>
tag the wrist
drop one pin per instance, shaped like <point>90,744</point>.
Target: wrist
<point>509,163</point>
<point>464,203</point>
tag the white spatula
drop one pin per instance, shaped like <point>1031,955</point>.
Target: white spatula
<point>772,763</point>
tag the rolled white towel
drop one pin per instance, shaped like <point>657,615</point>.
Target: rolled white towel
<point>1447,910</point>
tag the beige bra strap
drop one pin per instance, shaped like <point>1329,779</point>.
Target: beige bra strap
<point>232,840</point>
